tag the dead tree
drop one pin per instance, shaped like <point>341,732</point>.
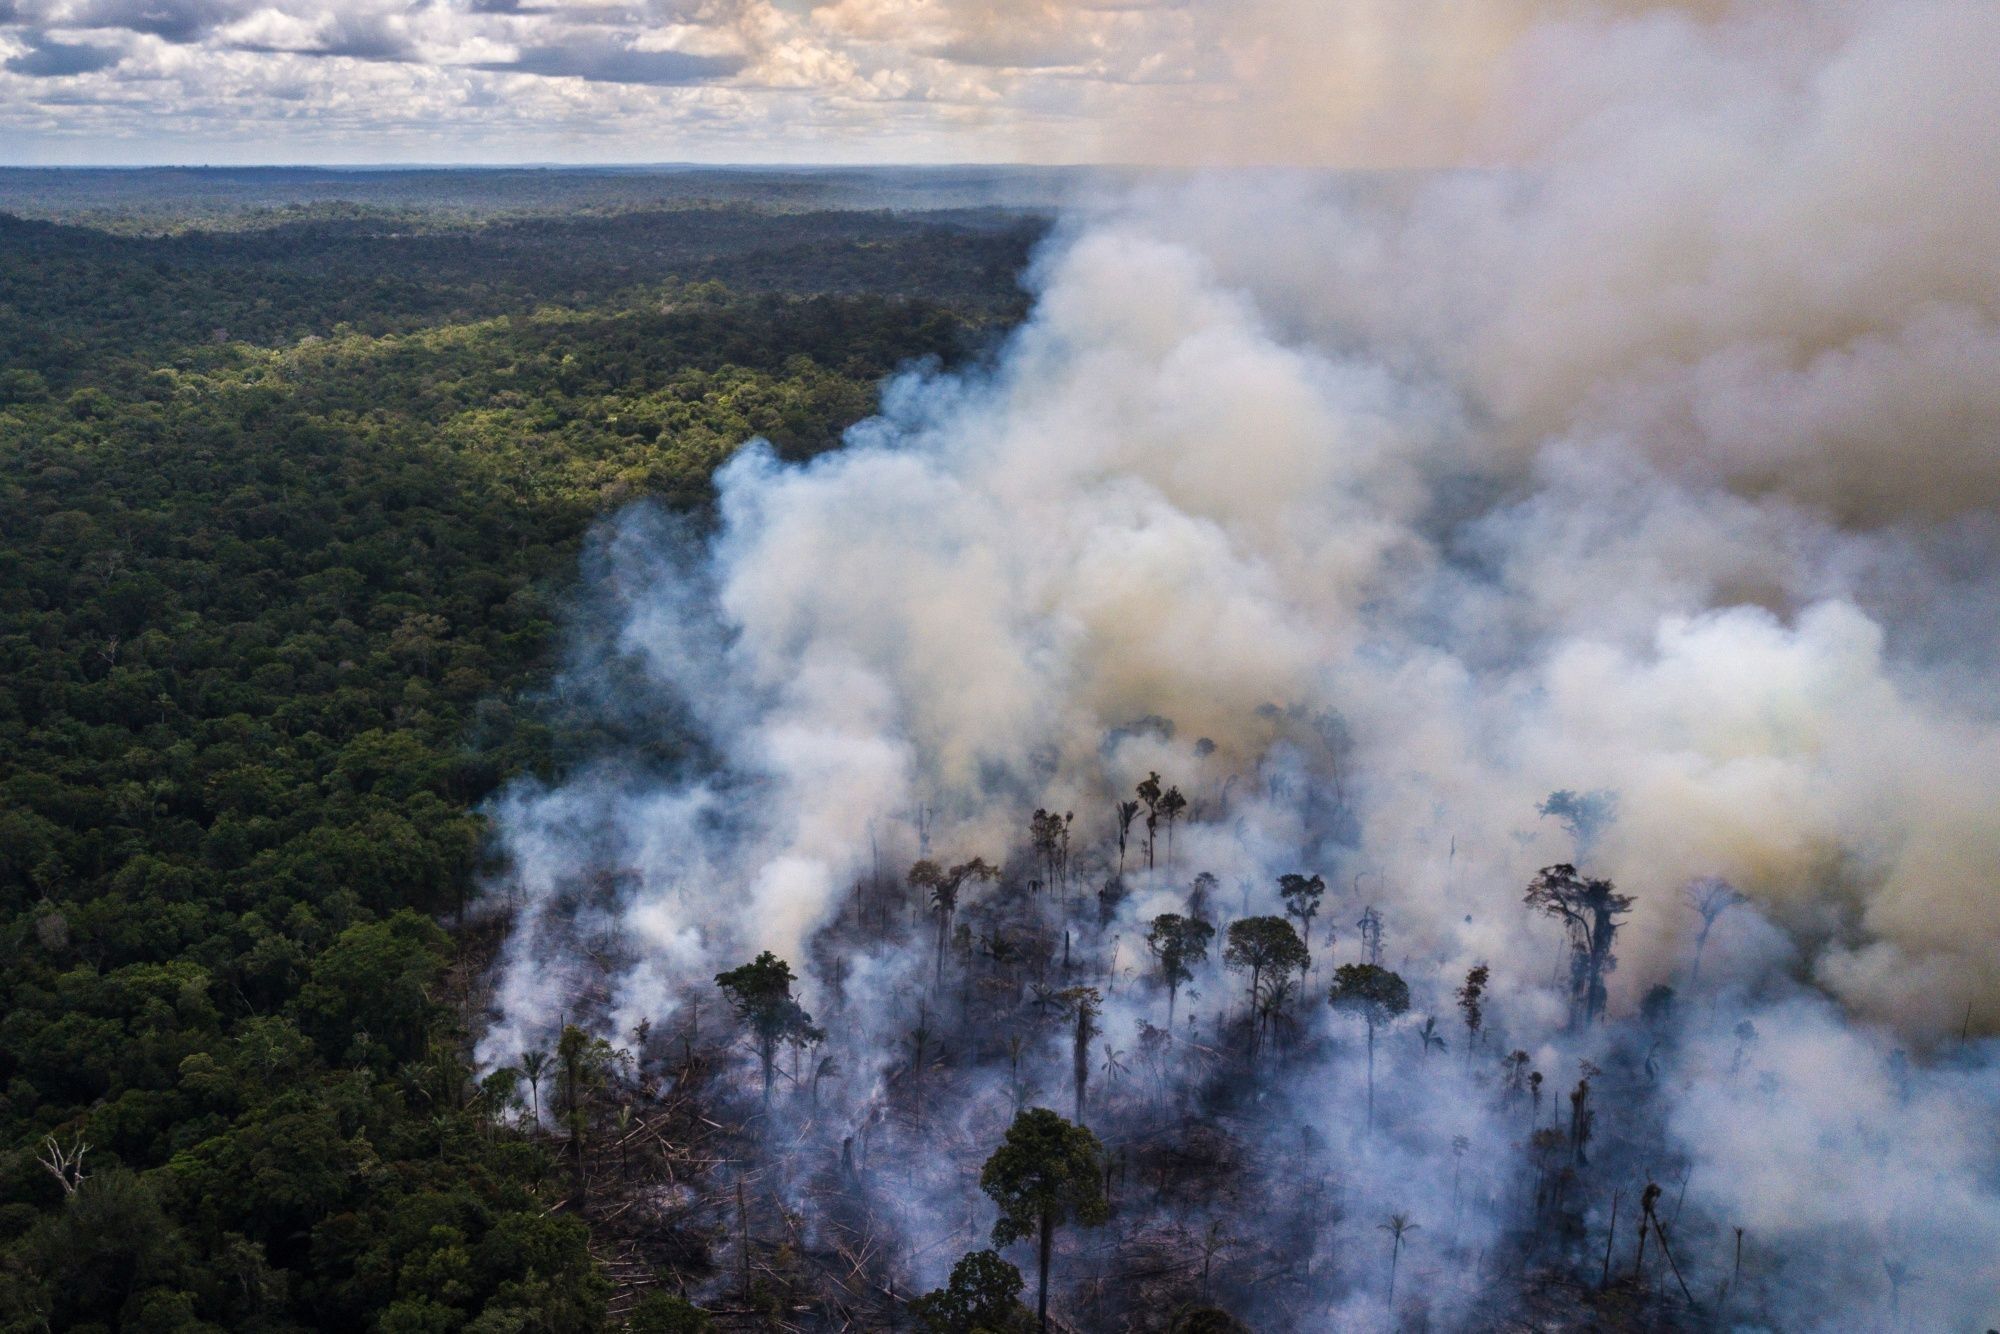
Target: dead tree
<point>65,1164</point>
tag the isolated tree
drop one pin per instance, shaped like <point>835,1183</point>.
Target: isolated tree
<point>983,1296</point>
<point>761,993</point>
<point>65,1164</point>
<point>1585,815</point>
<point>1128,811</point>
<point>1398,1227</point>
<point>1656,1007</point>
<point>1582,1116</point>
<point>1042,838</point>
<point>1116,1068</point>
<point>535,1065</point>
<point>1370,926</point>
<point>1172,806</point>
<point>1900,1276</point>
<point>1647,1199</point>
<point>1374,995</point>
<point>1472,1006</point>
<point>1046,1173</point>
<point>1049,833</point>
<point>582,1065</point>
<point>1279,988</point>
<point>1264,946</point>
<point>1710,897</point>
<point>1149,793</point>
<point>944,886</point>
<point>1083,1005</point>
<point>827,1068</point>
<point>1649,1211</point>
<point>1178,943</point>
<point>1428,1038</point>
<point>1589,910</point>
<point>1201,894</point>
<point>1302,894</point>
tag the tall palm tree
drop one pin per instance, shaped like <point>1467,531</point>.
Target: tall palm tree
<point>1398,1226</point>
<point>535,1064</point>
<point>1128,811</point>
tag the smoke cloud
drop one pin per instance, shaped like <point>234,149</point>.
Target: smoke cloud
<point>1646,443</point>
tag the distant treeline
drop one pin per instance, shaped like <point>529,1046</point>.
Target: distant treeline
<point>82,305</point>
<point>171,198</point>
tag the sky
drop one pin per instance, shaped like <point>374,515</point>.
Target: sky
<point>1179,82</point>
<point>108,82</point>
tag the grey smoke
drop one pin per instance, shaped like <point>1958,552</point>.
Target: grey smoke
<point>1641,462</point>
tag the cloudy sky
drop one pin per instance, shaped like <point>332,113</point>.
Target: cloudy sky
<point>233,81</point>
<point>1336,82</point>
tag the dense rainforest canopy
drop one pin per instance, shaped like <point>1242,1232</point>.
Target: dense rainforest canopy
<point>286,512</point>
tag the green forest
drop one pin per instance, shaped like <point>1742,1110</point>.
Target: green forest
<point>289,509</point>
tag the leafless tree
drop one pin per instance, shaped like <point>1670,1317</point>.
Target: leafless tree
<point>1371,935</point>
<point>65,1164</point>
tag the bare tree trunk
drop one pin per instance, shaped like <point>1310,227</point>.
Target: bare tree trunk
<point>743,1236</point>
<point>1082,1057</point>
<point>1371,1074</point>
<point>1255,974</point>
<point>1604,1280</point>
<point>1042,1291</point>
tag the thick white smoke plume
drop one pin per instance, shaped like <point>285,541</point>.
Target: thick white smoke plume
<point>1654,452</point>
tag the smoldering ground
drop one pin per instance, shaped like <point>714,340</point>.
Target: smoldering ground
<point>1659,461</point>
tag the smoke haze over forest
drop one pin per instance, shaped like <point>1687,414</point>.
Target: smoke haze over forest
<point>1638,442</point>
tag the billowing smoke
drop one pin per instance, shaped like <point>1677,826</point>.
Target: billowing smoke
<point>1652,451</point>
